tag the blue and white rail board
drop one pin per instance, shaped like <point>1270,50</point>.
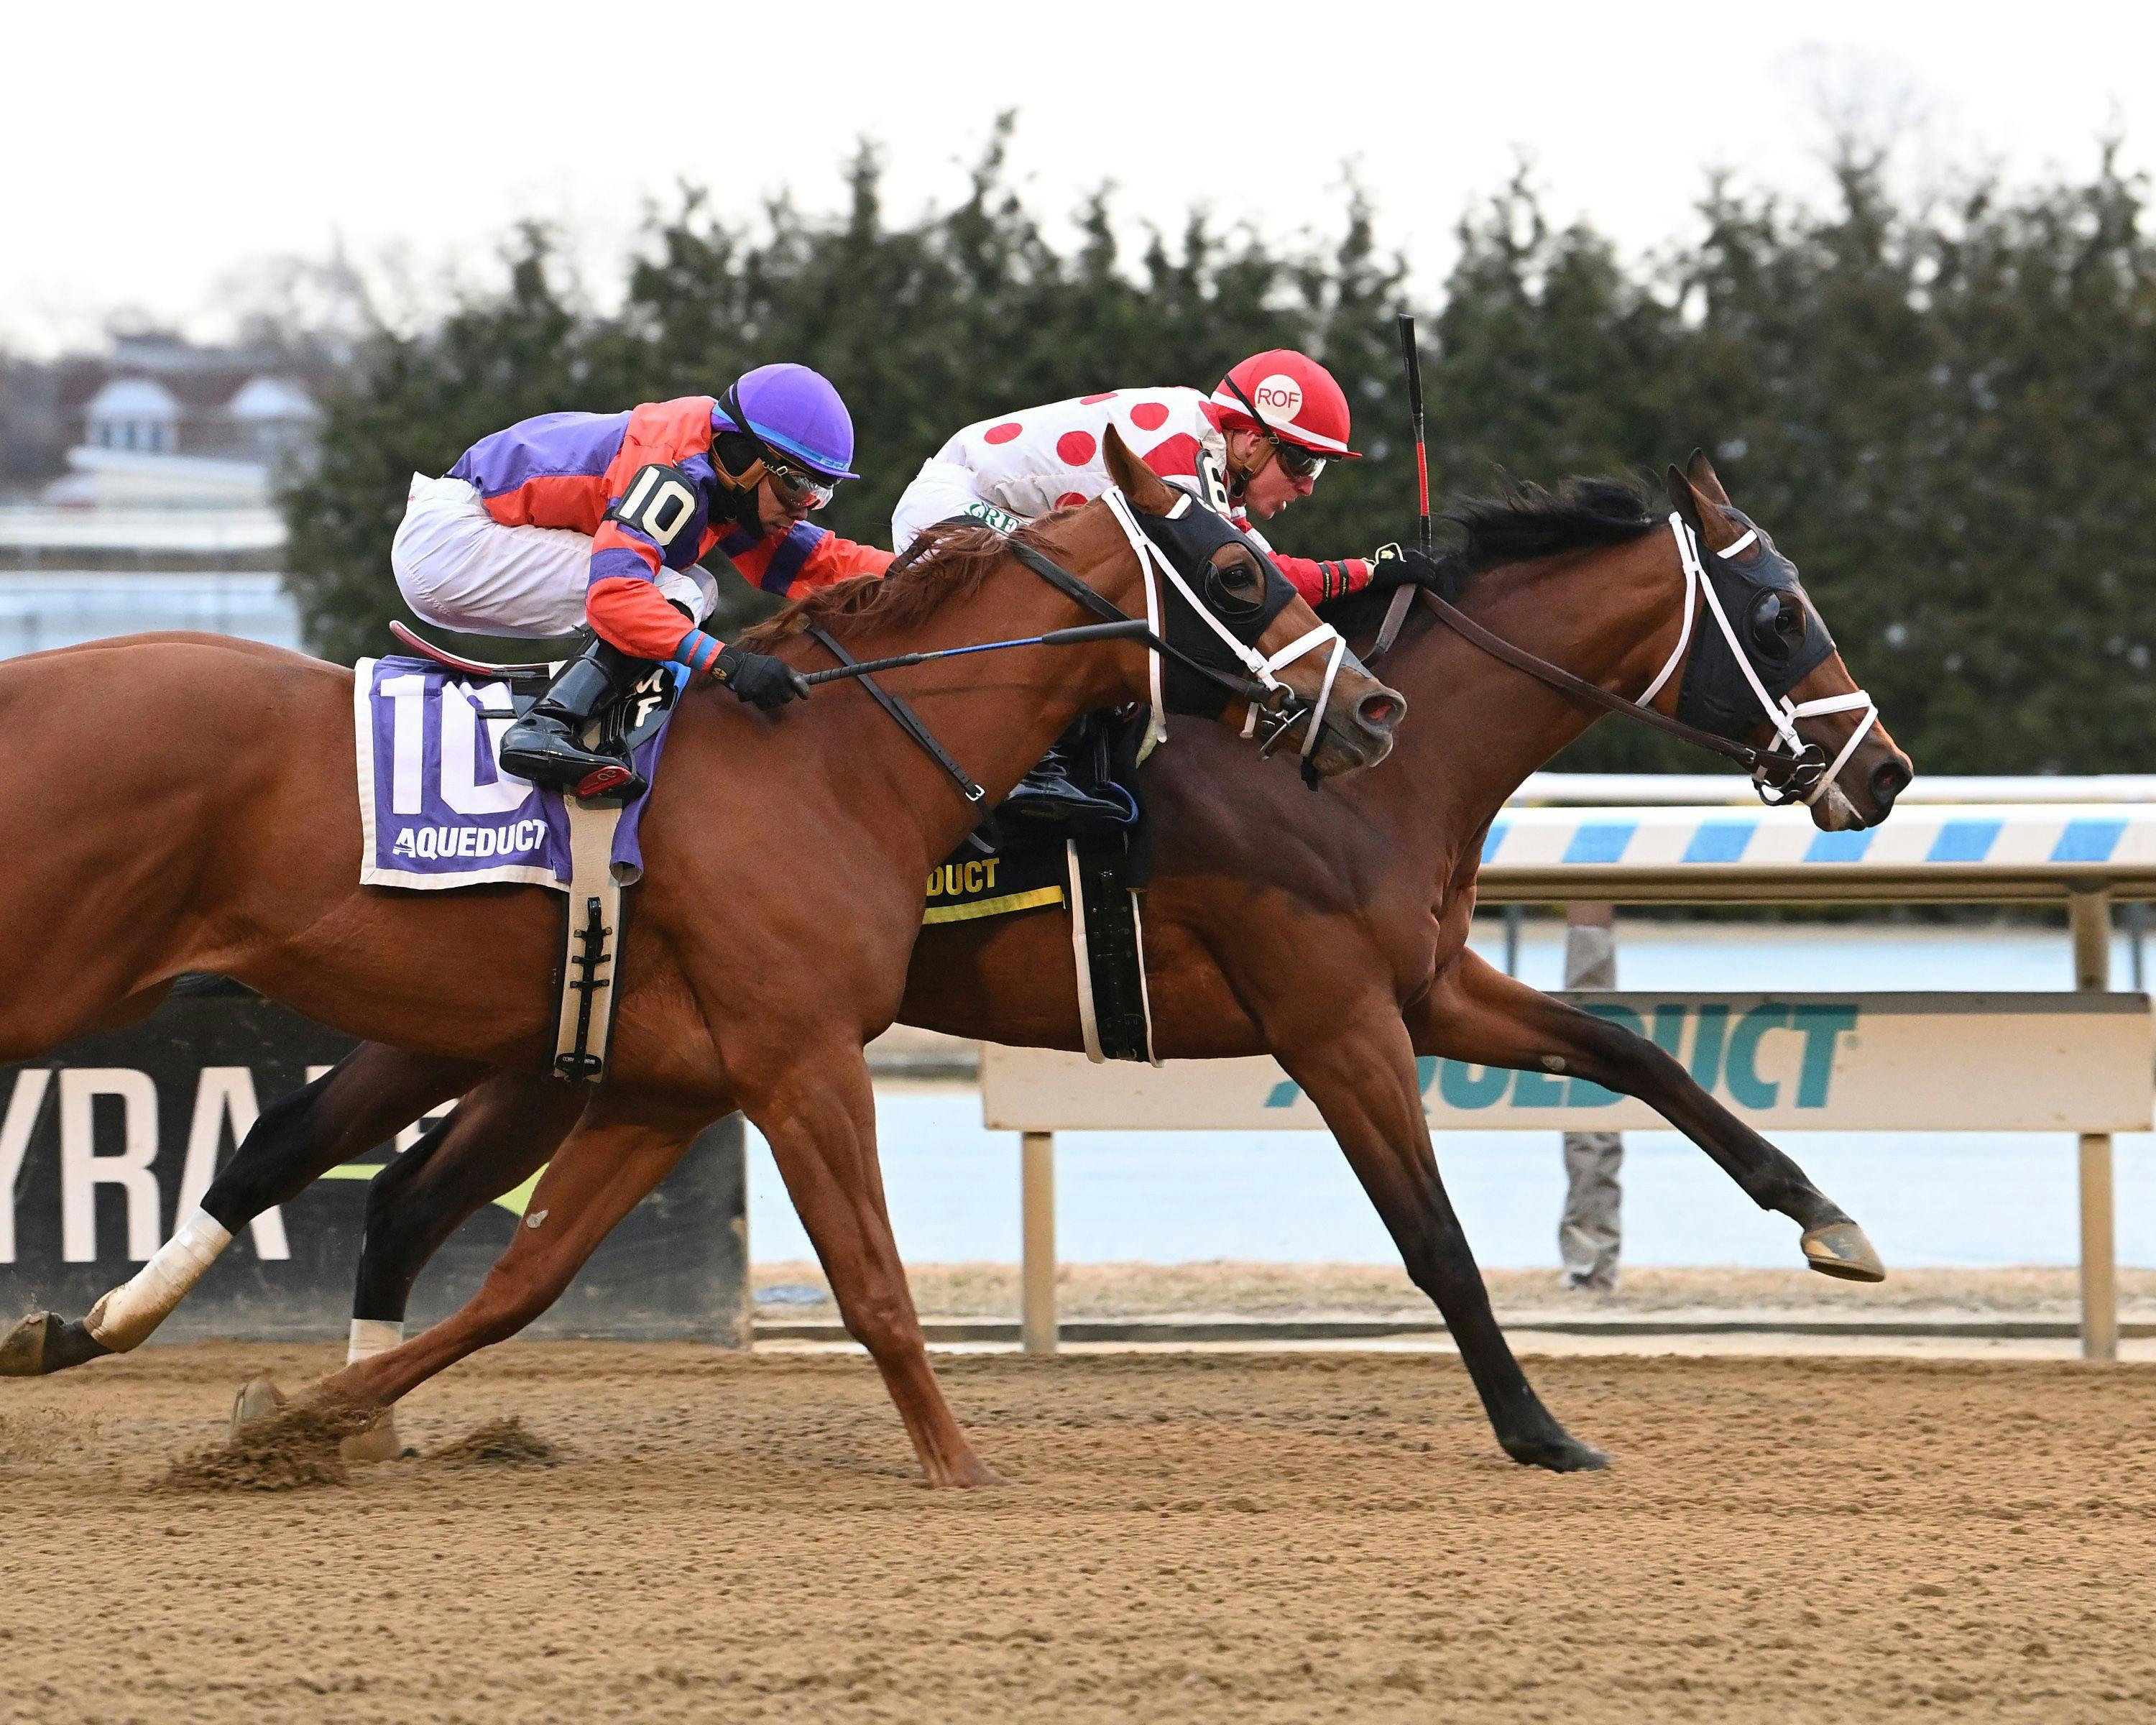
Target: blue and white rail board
<point>1918,1062</point>
<point>1993,852</point>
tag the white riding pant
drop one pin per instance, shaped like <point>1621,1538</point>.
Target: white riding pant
<point>940,491</point>
<point>458,569</point>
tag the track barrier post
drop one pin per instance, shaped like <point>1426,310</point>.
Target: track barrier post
<point>1037,1203</point>
<point>2090,917</point>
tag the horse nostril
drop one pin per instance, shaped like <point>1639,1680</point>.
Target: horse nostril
<point>1381,709</point>
<point>1889,779</point>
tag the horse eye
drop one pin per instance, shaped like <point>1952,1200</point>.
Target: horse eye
<point>1777,624</point>
<point>1235,590</point>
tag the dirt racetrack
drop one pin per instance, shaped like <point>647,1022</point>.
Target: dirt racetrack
<point>1194,1538</point>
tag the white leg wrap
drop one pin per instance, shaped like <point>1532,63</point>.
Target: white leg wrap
<point>125,1317</point>
<point>371,1336</point>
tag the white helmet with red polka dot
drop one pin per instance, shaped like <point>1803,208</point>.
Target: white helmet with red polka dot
<point>1293,396</point>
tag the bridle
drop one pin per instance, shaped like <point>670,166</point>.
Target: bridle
<point>1275,708</point>
<point>1804,773</point>
<point>1787,770</point>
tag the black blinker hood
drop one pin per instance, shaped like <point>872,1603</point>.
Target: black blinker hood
<point>1758,588</point>
<point>1188,538</point>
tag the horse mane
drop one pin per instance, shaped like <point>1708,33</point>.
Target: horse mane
<point>949,560</point>
<point>1523,521</point>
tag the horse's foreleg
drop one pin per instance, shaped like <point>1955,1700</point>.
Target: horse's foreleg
<point>1361,1074</point>
<point>607,1165</point>
<point>363,1100</point>
<point>1478,1014</point>
<point>820,1119</point>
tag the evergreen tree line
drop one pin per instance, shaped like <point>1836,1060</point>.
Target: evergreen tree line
<point>1942,407</point>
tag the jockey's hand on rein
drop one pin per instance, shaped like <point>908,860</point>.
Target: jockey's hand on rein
<point>757,678</point>
<point>1392,566</point>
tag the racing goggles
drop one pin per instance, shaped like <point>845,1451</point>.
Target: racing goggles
<point>797,486</point>
<point>1295,461</point>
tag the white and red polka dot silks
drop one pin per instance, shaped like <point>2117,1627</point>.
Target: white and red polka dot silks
<point>1016,466</point>
<point>1038,459</point>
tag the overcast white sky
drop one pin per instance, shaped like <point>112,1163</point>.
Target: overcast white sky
<point>149,150</point>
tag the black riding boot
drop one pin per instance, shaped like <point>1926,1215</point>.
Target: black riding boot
<point>1051,793</point>
<point>545,746</point>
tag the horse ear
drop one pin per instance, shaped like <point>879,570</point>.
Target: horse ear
<point>1700,512</point>
<point>1701,472</point>
<point>1683,498</point>
<point>1149,493</point>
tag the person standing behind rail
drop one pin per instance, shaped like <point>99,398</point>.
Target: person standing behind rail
<point>1590,1232</point>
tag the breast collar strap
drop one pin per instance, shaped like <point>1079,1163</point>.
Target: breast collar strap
<point>1809,783</point>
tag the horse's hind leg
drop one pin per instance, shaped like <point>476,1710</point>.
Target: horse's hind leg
<point>617,1154</point>
<point>500,1136</point>
<point>360,1102</point>
<point>820,1119</point>
<point>1360,1072</point>
<point>1478,1014</point>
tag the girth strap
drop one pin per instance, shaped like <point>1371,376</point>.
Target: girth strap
<point>904,716</point>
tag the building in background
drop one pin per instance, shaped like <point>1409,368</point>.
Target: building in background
<point>165,518</point>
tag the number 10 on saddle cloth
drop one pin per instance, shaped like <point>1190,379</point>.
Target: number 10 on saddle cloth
<point>437,811</point>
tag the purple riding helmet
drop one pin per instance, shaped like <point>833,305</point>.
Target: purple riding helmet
<point>797,421</point>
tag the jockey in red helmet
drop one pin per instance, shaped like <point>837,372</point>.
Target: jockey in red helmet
<point>599,520</point>
<point>1258,443</point>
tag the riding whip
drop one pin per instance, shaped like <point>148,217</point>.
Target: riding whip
<point>1411,358</point>
<point>1133,629</point>
<point>1396,612</point>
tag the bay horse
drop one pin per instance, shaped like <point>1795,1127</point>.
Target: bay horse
<point>1329,933</point>
<point>193,809</point>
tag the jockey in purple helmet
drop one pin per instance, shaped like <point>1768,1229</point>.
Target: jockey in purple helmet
<point>572,521</point>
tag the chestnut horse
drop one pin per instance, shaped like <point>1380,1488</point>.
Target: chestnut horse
<point>1369,968</point>
<point>193,808</point>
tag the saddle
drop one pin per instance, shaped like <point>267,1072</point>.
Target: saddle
<point>625,726</point>
<point>1097,868</point>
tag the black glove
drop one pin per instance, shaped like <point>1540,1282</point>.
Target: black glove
<point>757,678</point>
<point>1391,567</point>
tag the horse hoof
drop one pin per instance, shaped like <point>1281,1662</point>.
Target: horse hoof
<point>258,1396</point>
<point>45,1342</point>
<point>1840,1249</point>
<point>23,1349</point>
<point>1562,1454</point>
<point>377,1443</point>
<point>970,1475</point>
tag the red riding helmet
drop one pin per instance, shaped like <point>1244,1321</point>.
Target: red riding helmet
<point>1296,398</point>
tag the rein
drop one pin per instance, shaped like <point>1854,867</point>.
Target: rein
<point>1801,774</point>
<point>902,715</point>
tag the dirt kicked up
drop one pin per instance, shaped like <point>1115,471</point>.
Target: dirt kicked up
<point>1191,1538</point>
